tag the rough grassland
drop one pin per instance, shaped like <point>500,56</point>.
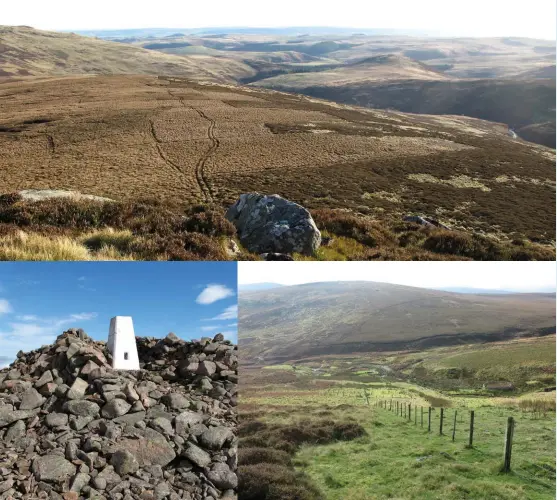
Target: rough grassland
<point>184,143</point>
<point>395,457</point>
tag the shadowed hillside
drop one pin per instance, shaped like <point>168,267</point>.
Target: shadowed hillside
<point>348,317</point>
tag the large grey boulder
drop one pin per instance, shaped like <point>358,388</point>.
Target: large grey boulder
<point>273,224</point>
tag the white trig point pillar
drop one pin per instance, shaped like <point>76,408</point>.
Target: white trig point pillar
<point>122,344</point>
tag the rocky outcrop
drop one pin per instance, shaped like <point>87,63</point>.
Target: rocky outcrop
<point>271,224</point>
<point>71,427</point>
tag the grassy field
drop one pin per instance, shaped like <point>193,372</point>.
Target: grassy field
<point>395,457</point>
<point>331,424</point>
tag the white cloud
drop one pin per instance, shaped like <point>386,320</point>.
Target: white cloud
<point>232,325</point>
<point>81,278</point>
<point>82,317</point>
<point>5,307</point>
<point>231,335</point>
<point>209,328</point>
<point>231,312</point>
<point>27,317</point>
<point>32,331</point>
<point>212,293</point>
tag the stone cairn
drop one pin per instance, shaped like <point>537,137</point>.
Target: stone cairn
<point>71,427</point>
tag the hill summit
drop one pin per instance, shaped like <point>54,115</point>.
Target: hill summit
<point>71,427</point>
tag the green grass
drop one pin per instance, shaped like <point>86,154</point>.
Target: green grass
<point>540,353</point>
<point>399,459</point>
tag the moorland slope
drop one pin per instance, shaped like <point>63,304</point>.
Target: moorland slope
<point>315,319</point>
<point>25,51</point>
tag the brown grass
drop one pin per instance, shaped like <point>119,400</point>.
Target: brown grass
<point>65,229</point>
<point>265,466</point>
<point>183,143</point>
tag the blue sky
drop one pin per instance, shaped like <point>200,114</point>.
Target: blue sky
<point>38,301</point>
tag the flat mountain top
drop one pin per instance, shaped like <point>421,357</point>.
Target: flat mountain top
<point>343,317</point>
<point>26,51</point>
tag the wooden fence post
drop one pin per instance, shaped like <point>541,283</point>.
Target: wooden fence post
<point>471,436</point>
<point>441,423</point>
<point>422,416</point>
<point>409,411</point>
<point>397,407</point>
<point>405,410</point>
<point>415,415</point>
<point>508,445</point>
<point>429,419</point>
<point>391,405</point>
<point>454,425</point>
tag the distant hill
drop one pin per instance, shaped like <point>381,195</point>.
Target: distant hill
<point>26,51</point>
<point>257,287</point>
<point>354,317</point>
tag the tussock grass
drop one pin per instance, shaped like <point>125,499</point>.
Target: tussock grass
<point>36,247</point>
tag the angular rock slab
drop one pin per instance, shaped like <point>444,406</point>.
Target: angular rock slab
<point>53,468</point>
<point>272,224</point>
<point>151,449</point>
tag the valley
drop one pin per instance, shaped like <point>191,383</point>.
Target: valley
<point>138,120</point>
<point>354,382</point>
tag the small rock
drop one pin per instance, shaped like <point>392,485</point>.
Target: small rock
<point>31,399</point>
<point>124,462</point>
<point>82,408</point>
<point>196,455</point>
<point>77,390</point>
<point>176,401</point>
<point>207,368</point>
<point>115,408</point>
<point>215,437</point>
<point>53,468</point>
<point>57,419</point>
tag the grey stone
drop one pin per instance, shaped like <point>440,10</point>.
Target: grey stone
<point>57,419</point>
<point>176,401</point>
<point>172,339</point>
<point>196,455</point>
<point>115,408</point>
<point>124,462</point>
<point>162,490</point>
<point>222,477</point>
<point>150,449</point>
<point>207,368</point>
<point>273,224</point>
<point>82,408</point>
<point>16,431</point>
<point>80,481</point>
<point>31,399</point>
<point>8,416</point>
<point>52,468</point>
<point>215,437</point>
<point>185,420</point>
<point>77,390</point>
<point>130,418</point>
<point>78,423</point>
<point>99,483</point>
<point>45,378</point>
<point>163,425</point>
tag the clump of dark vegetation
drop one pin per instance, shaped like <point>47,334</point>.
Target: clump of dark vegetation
<point>265,456</point>
<point>158,231</point>
<point>396,240</point>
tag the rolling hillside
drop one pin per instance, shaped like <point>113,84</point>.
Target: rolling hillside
<point>353,317</point>
<point>26,51</point>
